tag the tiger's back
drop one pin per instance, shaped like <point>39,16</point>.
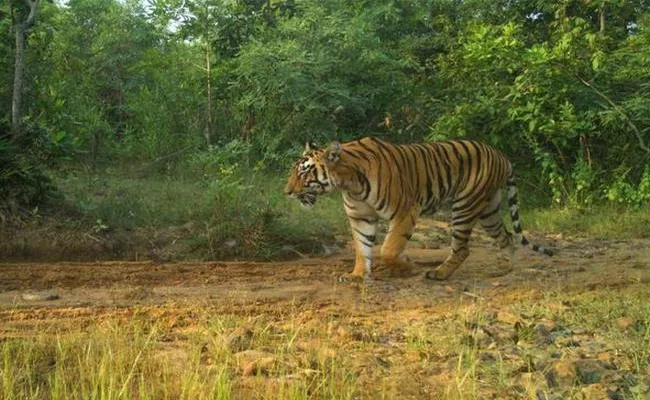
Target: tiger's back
<point>427,174</point>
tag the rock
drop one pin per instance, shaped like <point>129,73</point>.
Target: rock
<point>624,323</point>
<point>595,391</point>
<point>254,362</point>
<point>481,338</point>
<point>532,381</point>
<point>303,374</point>
<point>607,359</point>
<point>40,296</point>
<point>545,327</point>
<point>567,342</point>
<point>230,243</point>
<point>562,374</point>
<point>329,250</point>
<point>259,367</point>
<point>507,318</point>
<point>478,338</point>
<point>240,339</point>
<point>589,371</point>
<point>544,331</point>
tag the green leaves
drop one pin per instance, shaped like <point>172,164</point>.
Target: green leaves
<point>332,70</point>
<point>562,95</point>
<point>561,86</point>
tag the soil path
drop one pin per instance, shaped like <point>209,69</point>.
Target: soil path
<point>91,289</point>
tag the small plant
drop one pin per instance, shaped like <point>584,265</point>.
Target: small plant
<point>624,192</point>
<point>100,226</point>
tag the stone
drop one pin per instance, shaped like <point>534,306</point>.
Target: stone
<point>595,391</point>
<point>254,362</point>
<point>589,371</point>
<point>481,338</point>
<point>258,367</point>
<point>238,340</point>
<point>532,381</point>
<point>624,323</point>
<point>507,318</point>
<point>606,358</point>
<point>562,374</point>
<point>545,327</point>
<point>567,341</point>
<point>40,296</point>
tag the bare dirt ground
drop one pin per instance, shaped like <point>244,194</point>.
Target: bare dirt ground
<point>380,312</point>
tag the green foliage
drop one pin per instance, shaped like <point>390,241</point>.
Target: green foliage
<point>623,192</point>
<point>24,183</point>
<point>215,209</point>
<point>218,162</point>
<point>554,101</point>
<point>122,89</point>
<point>561,87</point>
<point>331,70</point>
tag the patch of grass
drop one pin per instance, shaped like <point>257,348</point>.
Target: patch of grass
<point>605,221</point>
<point>113,214</point>
<point>181,353</point>
<point>112,361</point>
<point>194,212</point>
<point>135,360</point>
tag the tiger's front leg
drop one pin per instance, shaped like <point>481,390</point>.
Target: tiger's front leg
<point>364,231</point>
<point>400,231</point>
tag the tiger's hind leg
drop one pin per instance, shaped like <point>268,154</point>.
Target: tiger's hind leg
<point>492,222</point>
<point>399,233</point>
<point>462,223</point>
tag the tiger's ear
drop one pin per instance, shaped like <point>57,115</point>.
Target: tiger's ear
<point>333,153</point>
<point>309,147</point>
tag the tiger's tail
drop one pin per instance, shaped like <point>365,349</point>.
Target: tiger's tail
<point>514,215</point>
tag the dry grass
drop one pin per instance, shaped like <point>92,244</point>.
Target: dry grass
<point>568,346</point>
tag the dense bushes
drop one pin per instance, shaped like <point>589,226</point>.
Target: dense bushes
<point>24,183</point>
<point>562,87</point>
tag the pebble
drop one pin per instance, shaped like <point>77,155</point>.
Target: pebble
<point>40,296</point>
<point>240,339</point>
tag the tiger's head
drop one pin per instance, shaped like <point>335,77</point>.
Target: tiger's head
<point>310,175</point>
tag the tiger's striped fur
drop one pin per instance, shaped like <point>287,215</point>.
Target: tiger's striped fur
<point>398,183</point>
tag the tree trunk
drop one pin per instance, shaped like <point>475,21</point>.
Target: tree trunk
<point>21,27</point>
<point>601,18</point>
<point>19,68</point>
<point>209,122</point>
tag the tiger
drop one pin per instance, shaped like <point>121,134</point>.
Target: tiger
<point>398,183</point>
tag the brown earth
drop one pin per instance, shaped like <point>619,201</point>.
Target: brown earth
<point>579,264</point>
<point>89,292</point>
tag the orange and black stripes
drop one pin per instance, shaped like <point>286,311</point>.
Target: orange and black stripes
<point>397,183</point>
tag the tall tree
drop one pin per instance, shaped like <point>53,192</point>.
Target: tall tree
<point>24,18</point>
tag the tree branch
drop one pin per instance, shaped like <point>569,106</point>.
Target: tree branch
<point>627,119</point>
<point>33,6</point>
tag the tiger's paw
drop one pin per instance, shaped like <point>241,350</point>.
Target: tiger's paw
<point>349,277</point>
<point>433,275</point>
<point>441,273</point>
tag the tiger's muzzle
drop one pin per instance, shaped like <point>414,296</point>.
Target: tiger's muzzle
<point>308,196</point>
